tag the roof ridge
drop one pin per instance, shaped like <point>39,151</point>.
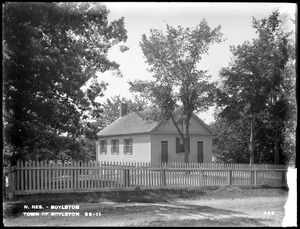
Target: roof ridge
<point>135,123</point>
<point>131,123</point>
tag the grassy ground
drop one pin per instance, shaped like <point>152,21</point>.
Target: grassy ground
<point>15,207</point>
<point>232,222</point>
<point>228,206</point>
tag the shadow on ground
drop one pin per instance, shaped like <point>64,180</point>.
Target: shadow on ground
<point>148,207</point>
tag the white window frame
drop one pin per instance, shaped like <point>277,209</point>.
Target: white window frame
<point>103,146</point>
<point>115,146</point>
<point>128,146</point>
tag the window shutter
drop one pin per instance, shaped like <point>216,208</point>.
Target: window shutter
<point>177,145</point>
<point>124,146</point>
<point>115,146</point>
<point>112,146</point>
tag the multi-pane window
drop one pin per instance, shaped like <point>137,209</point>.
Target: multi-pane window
<point>179,145</point>
<point>103,147</point>
<point>128,146</point>
<point>115,146</point>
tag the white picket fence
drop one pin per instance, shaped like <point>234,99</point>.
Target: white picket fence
<point>30,177</point>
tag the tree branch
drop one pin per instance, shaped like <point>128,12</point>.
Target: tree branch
<point>256,132</point>
<point>166,64</point>
<point>179,131</point>
<point>193,63</point>
<point>31,140</point>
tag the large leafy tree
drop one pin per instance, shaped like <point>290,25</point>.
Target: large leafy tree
<point>173,59</point>
<point>256,85</point>
<point>51,50</point>
<point>230,140</point>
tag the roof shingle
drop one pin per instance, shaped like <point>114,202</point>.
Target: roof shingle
<point>131,123</point>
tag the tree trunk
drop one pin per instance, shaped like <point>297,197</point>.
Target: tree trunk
<point>187,140</point>
<point>276,156</point>
<point>186,149</point>
<point>252,140</point>
<point>276,147</point>
<point>184,137</point>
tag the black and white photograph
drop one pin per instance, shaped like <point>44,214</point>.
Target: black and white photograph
<point>149,114</point>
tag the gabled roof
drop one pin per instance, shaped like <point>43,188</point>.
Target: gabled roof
<point>131,123</point>
<point>203,123</point>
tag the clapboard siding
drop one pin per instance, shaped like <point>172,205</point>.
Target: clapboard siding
<point>141,149</point>
<point>156,140</point>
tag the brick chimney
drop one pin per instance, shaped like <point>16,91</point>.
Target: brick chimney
<point>123,109</point>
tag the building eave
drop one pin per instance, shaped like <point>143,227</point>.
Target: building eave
<point>201,121</point>
<point>176,133</point>
<point>126,134</point>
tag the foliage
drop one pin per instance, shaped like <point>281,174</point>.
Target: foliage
<point>173,59</point>
<point>289,123</point>
<point>51,50</point>
<point>230,142</point>
<point>256,87</point>
<point>111,109</point>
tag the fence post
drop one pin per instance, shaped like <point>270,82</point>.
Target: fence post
<point>126,177</point>
<point>283,178</point>
<point>255,177</point>
<point>229,179</point>
<point>74,182</point>
<point>201,176</point>
<point>163,175</point>
<point>11,183</point>
<point>4,184</point>
<point>252,177</point>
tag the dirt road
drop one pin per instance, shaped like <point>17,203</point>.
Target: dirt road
<point>213,209</point>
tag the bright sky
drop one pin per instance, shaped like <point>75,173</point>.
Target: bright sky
<point>235,20</point>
